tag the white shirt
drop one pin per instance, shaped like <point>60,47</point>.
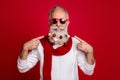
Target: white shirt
<point>63,67</point>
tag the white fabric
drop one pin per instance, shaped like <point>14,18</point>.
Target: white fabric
<point>63,67</point>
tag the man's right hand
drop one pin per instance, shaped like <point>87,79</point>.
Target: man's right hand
<point>29,45</point>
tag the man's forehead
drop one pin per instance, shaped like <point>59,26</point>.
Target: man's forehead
<point>59,14</point>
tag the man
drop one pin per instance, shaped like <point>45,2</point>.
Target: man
<point>58,52</point>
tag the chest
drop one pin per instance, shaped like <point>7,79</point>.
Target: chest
<point>67,59</point>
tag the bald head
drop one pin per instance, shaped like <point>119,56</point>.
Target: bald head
<point>60,10</point>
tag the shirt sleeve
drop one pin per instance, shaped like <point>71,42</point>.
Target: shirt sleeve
<point>82,61</point>
<point>84,65</point>
<point>30,62</point>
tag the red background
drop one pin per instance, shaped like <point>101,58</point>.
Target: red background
<point>96,21</point>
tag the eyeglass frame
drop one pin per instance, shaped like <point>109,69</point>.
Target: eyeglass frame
<point>58,19</point>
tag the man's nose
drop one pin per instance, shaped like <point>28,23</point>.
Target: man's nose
<point>58,23</point>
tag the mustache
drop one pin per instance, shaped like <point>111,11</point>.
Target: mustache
<point>57,27</point>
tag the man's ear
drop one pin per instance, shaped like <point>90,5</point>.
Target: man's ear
<point>49,23</point>
<point>68,22</point>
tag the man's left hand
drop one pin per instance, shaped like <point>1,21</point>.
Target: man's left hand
<point>87,49</point>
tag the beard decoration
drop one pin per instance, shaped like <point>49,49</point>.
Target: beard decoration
<point>58,37</point>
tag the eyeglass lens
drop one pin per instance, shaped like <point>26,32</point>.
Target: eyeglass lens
<point>62,21</point>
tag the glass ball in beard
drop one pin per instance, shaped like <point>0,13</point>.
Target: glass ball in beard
<point>58,37</point>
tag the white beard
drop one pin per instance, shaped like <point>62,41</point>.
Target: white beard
<point>58,37</point>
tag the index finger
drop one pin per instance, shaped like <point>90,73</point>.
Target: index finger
<point>40,37</point>
<point>79,39</point>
